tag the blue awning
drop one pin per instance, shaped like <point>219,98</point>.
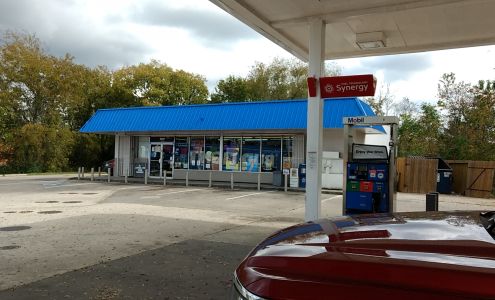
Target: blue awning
<point>245,116</point>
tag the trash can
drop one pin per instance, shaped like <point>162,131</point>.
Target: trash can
<point>302,175</point>
<point>444,177</point>
<point>432,202</point>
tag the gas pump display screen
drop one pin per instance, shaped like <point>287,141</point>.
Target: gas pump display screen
<point>369,152</point>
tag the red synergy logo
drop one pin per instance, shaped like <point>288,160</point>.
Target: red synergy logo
<point>343,86</point>
<point>329,88</point>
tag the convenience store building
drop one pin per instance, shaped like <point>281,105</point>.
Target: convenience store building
<point>216,140</point>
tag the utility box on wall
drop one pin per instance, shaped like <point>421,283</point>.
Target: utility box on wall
<point>332,170</point>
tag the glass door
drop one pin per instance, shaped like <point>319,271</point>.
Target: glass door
<point>168,159</point>
<point>156,160</point>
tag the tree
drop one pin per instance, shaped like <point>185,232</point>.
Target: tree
<point>156,83</point>
<point>383,102</point>
<point>281,79</point>
<point>405,107</point>
<point>231,89</point>
<point>420,135</point>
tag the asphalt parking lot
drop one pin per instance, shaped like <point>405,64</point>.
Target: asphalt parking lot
<point>67,239</point>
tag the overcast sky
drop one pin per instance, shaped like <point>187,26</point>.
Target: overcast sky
<point>199,37</point>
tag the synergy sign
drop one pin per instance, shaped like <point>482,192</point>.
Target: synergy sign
<point>343,86</point>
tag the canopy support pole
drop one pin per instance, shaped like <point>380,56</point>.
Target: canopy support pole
<point>315,123</point>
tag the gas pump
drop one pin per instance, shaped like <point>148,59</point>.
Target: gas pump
<point>369,175</point>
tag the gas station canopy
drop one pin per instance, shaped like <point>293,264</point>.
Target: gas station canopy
<point>357,28</point>
<point>317,30</point>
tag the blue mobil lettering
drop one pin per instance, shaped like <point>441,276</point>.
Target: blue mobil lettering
<point>355,120</point>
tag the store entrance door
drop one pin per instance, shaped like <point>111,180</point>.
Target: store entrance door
<point>167,159</point>
<point>156,160</point>
<point>161,160</point>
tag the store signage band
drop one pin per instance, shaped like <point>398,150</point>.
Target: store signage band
<point>343,86</point>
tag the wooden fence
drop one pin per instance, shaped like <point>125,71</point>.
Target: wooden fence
<point>473,178</point>
<point>417,175</point>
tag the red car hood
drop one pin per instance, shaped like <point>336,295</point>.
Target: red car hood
<point>446,254</point>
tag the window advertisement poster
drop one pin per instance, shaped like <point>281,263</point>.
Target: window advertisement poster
<point>231,154</point>
<point>196,154</point>
<point>270,154</point>
<point>250,160</point>
<point>181,153</point>
<point>212,153</point>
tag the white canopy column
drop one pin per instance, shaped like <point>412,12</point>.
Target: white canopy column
<point>315,122</point>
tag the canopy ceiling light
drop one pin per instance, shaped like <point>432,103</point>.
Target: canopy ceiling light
<point>370,40</point>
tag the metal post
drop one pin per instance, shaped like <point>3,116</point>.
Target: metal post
<point>92,174</point>
<point>109,172</point>
<point>285,183</point>
<point>125,178</point>
<point>209,181</point>
<point>99,171</point>
<point>165,180</point>
<point>259,181</point>
<point>232,181</point>
<point>145,177</point>
<point>314,122</point>
<point>79,173</point>
<point>82,172</point>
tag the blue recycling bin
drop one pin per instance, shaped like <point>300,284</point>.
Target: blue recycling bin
<point>302,175</point>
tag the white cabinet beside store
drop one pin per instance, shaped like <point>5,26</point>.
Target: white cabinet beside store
<point>333,170</point>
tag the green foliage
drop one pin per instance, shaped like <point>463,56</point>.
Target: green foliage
<point>461,126</point>
<point>420,135</point>
<point>158,84</point>
<point>281,79</point>
<point>39,148</point>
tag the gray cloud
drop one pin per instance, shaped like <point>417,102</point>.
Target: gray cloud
<point>394,67</point>
<point>211,28</point>
<point>63,29</point>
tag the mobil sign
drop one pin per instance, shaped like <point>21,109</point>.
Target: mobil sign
<point>343,86</point>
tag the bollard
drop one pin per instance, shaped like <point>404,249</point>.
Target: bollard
<point>145,177</point>
<point>99,171</point>
<point>82,172</point>
<point>187,178</point>
<point>259,181</point>
<point>79,173</point>
<point>432,201</point>
<point>92,174</point>
<point>209,181</point>
<point>125,179</point>
<point>231,181</point>
<point>285,183</point>
<point>109,172</point>
<point>165,180</point>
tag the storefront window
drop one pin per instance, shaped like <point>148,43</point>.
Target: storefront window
<point>270,154</point>
<point>196,153</point>
<point>142,148</point>
<point>231,153</point>
<point>212,153</point>
<point>181,153</point>
<point>287,153</point>
<point>250,160</point>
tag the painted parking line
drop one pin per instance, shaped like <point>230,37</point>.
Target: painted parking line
<point>178,192</point>
<point>248,195</point>
<point>65,185</point>
<point>328,199</point>
<point>150,197</point>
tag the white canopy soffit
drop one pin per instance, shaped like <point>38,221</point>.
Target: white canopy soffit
<point>357,28</point>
